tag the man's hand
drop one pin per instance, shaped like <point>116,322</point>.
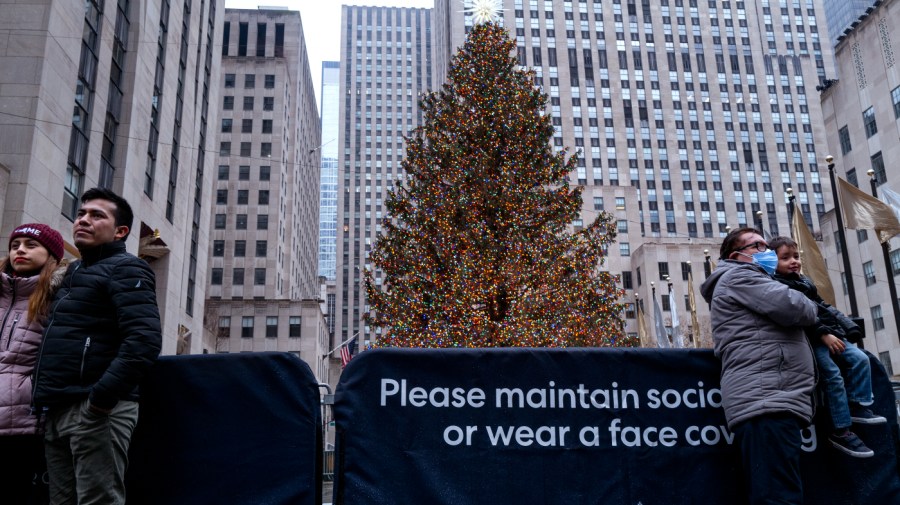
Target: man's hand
<point>834,344</point>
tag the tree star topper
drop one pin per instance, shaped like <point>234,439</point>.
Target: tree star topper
<point>485,11</point>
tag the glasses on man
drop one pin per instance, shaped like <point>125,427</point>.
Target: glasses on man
<point>760,246</point>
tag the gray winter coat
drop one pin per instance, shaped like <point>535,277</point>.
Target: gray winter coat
<point>757,326</point>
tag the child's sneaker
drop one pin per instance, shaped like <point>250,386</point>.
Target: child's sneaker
<point>862,415</point>
<point>850,444</point>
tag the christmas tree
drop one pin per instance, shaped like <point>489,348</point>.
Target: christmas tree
<point>478,248</point>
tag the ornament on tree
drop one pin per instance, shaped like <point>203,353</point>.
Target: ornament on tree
<point>479,249</point>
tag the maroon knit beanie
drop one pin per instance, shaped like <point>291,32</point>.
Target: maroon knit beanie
<point>47,236</point>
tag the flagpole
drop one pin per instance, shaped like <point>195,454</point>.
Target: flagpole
<point>845,254</point>
<point>345,342</point>
<point>885,250</point>
<point>759,223</point>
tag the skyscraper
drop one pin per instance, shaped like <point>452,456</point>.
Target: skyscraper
<point>841,14</point>
<point>691,118</point>
<point>116,94</point>
<point>386,62</point>
<point>330,115</point>
<point>263,285</point>
<point>861,116</point>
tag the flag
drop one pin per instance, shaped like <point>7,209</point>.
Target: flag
<point>862,211</point>
<point>345,356</point>
<point>643,333</point>
<point>677,337</point>
<point>814,265</point>
<point>662,338</point>
<point>695,323</point>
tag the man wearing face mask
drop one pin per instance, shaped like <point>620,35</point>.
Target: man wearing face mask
<point>768,368</point>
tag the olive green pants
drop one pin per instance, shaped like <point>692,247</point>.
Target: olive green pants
<point>87,453</point>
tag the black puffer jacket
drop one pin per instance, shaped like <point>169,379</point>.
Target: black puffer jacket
<point>103,333</point>
<point>828,319</point>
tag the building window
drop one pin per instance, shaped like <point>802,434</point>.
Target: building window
<point>262,222</point>
<point>271,326</point>
<point>240,222</point>
<point>229,103</point>
<point>229,80</point>
<point>224,327</point>
<point>262,247</point>
<point>223,172</point>
<point>221,196</point>
<point>240,248</point>
<point>245,149</point>
<point>265,149</point>
<point>224,148</point>
<point>862,236</point>
<point>895,261</point>
<point>598,203</point>
<point>249,81</point>
<point>844,135</point>
<point>620,203</point>
<point>268,103</point>
<point>243,196</point>
<point>265,172</point>
<point>261,40</point>
<point>226,125</point>
<point>244,173</point>
<point>218,248</point>
<point>885,358</point>
<point>267,126</point>
<point>246,126</point>
<point>264,197</point>
<point>259,276</point>
<point>220,221</point>
<point>685,270</point>
<point>895,97</point>
<point>877,318</point>
<point>624,249</point>
<point>663,270</point>
<point>248,103</point>
<point>869,122</point>
<point>622,225</point>
<point>629,311</point>
<point>627,282</point>
<point>294,326</point>
<point>869,272</point>
<point>247,327</point>
<point>270,81</point>
<point>242,39</point>
<point>878,168</point>
<point>237,276</point>
<point>216,277</point>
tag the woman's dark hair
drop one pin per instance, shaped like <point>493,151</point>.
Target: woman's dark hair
<point>729,245</point>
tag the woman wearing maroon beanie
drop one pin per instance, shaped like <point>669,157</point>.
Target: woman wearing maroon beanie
<point>29,277</point>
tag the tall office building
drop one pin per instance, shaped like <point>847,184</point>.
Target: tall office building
<point>862,110</point>
<point>843,15</point>
<point>330,116</point>
<point>116,94</point>
<point>263,289</point>
<point>386,56</point>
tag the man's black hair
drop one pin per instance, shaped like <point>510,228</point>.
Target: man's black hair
<point>729,245</point>
<point>124,215</point>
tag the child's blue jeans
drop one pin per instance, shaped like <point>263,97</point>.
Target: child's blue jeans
<point>846,378</point>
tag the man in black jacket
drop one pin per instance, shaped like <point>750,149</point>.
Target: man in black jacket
<point>102,336</point>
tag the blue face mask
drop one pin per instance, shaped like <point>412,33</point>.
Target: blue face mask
<point>768,260</point>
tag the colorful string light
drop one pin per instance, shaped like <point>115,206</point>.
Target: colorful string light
<point>477,250</point>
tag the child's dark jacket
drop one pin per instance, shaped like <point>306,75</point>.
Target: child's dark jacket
<point>829,319</point>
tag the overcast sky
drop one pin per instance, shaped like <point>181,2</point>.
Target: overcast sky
<point>322,24</point>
